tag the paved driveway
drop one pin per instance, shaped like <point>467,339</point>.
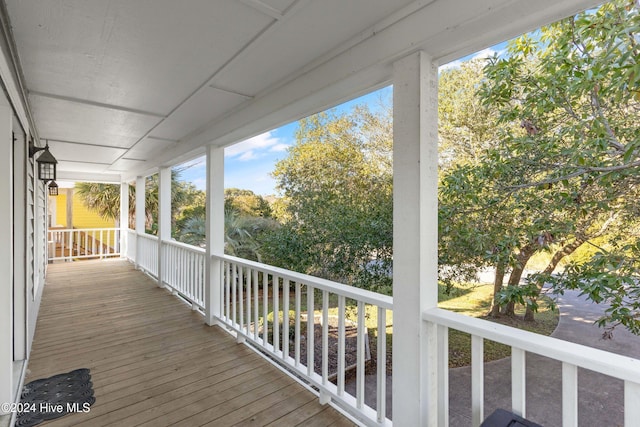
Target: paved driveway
<point>600,397</point>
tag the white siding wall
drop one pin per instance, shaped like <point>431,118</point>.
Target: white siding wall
<point>22,232</point>
<point>6,253</point>
<point>36,248</point>
<point>19,243</point>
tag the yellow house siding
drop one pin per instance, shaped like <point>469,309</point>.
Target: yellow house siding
<point>82,217</point>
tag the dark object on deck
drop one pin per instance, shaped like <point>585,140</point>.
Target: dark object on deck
<point>54,397</point>
<point>502,418</point>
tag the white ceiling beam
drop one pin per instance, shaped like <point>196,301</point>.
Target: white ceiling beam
<point>89,144</point>
<point>96,104</point>
<point>264,8</point>
<point>232,92</point>
<point>158,138</point>
<point>104,178</point>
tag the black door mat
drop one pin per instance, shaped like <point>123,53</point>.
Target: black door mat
<point>54,397</point>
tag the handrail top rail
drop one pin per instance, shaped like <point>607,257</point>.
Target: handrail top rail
<point>184,246</point>
<point>52,229</point>
<point>615,365</point>
<point>147,236</point>
<point>380,300</point>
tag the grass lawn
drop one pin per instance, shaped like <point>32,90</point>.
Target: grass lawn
<point>476,301</point>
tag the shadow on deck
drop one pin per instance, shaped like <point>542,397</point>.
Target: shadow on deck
<point>153,361</point>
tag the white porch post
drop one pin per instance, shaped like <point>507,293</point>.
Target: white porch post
<point>214,231</point>
<point>6,255</point>
<point>124,218</point>
<point>415,239</point>
<point>164,216</point>
<point>140,216</point>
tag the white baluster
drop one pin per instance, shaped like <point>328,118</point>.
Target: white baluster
<point>477,380</point>
<point>341,344</point>
<point>570,395</point>
<point>360,357</point>
<point>310,330</point>
<point>381,383</point>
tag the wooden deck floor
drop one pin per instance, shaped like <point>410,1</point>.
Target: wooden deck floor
<point>153,361</point>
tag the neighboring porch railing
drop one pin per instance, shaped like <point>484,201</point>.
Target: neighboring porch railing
<point>89,243</point>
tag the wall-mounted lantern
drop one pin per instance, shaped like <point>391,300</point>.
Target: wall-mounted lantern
<point>46,162</point>
<point>53,188</point>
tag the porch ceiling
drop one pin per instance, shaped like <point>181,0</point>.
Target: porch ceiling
<point>120,87</point>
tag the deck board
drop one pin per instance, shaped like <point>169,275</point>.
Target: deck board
<point>153,360</point>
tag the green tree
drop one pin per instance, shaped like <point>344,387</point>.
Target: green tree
<point>247,217</point>
<point>337,187</point>
<point>183,195</point>
<point>574,89</point>
<point>193,206</point>
<point>543,157</point>
<point>467,127</point>
<point>246,202</point>
<point>471,227</point>
<point>242,233</point>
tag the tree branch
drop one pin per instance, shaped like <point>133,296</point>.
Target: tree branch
<point>576,174</point>
<point>597,107</point>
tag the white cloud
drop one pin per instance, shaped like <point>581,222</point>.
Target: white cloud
<point>247,155</point>
<point>483,54</point>
<point>279,148</point>
<point>251,148</point>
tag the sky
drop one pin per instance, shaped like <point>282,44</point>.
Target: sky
<point>248,164</point>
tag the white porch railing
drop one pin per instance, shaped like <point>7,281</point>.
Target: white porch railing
<point>183,270</point>
<point>69,244</point>
<point>183,266</point>
<point>571,355</point>
<point>147,253</point>
<point>131,245</point>
<point>271,307</point>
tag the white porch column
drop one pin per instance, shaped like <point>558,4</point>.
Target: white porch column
<point>140,215</point>
<point>164,216</point>
<point>124,218</point>
<point>6,255</point>
<point>415,239</point>
<point>214,231</point>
